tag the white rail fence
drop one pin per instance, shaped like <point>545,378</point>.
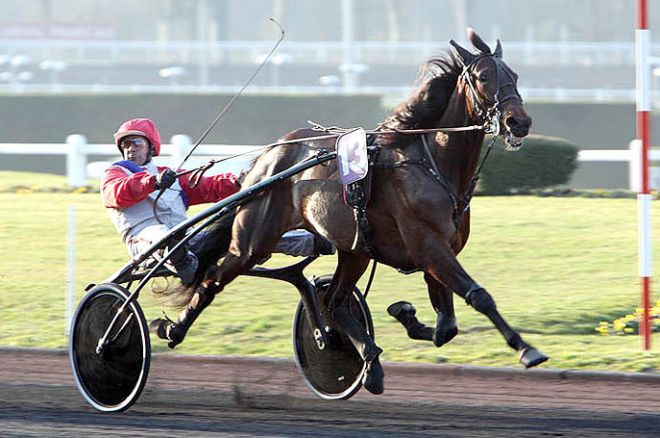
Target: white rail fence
<point>79,169</point>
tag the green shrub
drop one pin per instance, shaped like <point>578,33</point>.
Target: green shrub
<point>542,162</point>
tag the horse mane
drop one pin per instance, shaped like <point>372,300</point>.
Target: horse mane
<point>425,106</point>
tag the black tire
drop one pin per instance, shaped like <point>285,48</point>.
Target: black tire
<point>336,372</point>
<point>112,380</point>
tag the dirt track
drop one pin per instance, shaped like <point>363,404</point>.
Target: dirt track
<point>191,396</point>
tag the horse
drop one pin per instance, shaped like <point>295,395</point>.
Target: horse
<point>418,210</point>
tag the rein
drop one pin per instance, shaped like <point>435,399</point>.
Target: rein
<point>491,117</point>
<point>334,132</point>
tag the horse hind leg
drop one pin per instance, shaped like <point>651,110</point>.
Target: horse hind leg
<point>338,299</point>
<point>175,332</point>
<point>373,379</point>
<point>216,279</point>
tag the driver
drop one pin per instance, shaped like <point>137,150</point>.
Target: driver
<point>129,189</point>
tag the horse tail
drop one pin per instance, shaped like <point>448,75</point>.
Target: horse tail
<point>209,246</point>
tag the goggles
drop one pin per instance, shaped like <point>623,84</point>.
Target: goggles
<point>137,142</point>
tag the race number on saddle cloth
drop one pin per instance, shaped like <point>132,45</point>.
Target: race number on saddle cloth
<point>353,164</point>
<point>352,156</point>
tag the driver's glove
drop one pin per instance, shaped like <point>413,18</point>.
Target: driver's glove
<point>165,179</point>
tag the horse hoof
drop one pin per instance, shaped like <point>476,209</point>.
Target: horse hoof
<point>374,376</point>
<point>442,337</point>
<point>166,329</point>
<point>530,357</point>
<point>401,307</point>
<point>160,327</point>
<point>175,335</point>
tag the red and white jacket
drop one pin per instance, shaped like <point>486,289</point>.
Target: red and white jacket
<point>129,192</point>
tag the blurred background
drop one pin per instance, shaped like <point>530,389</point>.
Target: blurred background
<point>562,49</point>
<point>79,66</point>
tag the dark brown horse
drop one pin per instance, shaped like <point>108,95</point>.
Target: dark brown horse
<point>418,210</point>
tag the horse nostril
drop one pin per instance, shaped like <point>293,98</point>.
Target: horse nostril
<point>511,122</point>
<point>518,127</point>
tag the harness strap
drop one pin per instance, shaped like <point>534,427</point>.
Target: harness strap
<point>431,167</point>
<point>357,197</point>
<point>469,193</point>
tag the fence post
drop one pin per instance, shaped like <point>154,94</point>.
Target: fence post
<point>181,144</point>
<point>76,160</point>
<point>71,267</point>
<point>635,165</point>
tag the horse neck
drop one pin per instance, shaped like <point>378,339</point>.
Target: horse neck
<point>457,153</point>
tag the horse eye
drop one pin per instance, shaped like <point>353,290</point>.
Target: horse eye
<point>483,77</point>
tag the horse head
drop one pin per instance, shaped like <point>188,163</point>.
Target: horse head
<point>491,88</point>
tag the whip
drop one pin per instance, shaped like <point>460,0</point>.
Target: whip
<point>223,112</point>
<point>233,99</point>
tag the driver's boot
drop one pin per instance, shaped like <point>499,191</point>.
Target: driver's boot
<point>185,265</point>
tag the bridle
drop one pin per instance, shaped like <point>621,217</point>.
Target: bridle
<point>489,113</point>
<point>489,116</point>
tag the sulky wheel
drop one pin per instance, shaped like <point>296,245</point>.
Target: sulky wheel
<point>336,371</point>
<point>113,379</point>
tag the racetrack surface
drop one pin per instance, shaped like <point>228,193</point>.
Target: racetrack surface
<point>223,396</point>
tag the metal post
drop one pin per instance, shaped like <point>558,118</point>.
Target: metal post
<point>643,81</point>
<point>181,144</point>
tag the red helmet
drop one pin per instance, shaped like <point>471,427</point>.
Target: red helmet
<point>141,126</point>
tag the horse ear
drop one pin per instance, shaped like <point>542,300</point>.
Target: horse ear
<point>498,50</point>
<point>463,54</point>
<point>477,42</point>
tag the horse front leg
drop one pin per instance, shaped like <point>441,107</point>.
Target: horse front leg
<point>338,301</point>
<point>443,304</point>
<point>445,268</point>
<point>442,299</point>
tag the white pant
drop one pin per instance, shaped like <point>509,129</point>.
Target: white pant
<point>142,241</point>
<point>293,243</point>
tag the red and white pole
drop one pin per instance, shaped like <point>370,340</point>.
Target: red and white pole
<point>643,86</point>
